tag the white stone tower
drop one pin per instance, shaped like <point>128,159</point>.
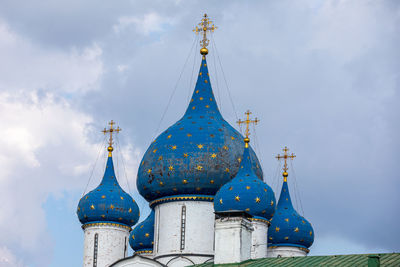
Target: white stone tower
<point>107,214</point>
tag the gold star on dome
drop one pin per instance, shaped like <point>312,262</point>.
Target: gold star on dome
<point>227,170</point>
<point>161,184</point>
<point>230,188</point>
<point>200,74</point>
<point>142,226</point>
<point>184,181</point>
<point>270,238</point>
<point>286,238</point>
<point>130,210</point>
<point>122,198</point>
<point>272,202</point>
<point>239,160</point>
<point>277,229</point>
<point>200,146</point>
<point>120,218</point>
<point>220,201</point>
<point>248,209</point>
<point>199,167</point>
<point>103,196</point>
<point>225,147</point>
<point>160,158</point>
<point>198,188</point>
<point>207,106</point>
<point>149,171</point>
<point>189,135</point>
<point>233,138</point>
<point>112,206</point>
<point>194,107</point>
<point>92,207</point>
<point>197,91</point>
<point>237,198</point>
<point>171,168</point>
<point>258,200</point>
<point>296,229</point>
<point>185,155</point>
<point>211,181</point>
<point>133,237</point>
<point>213,155</point>
<point>201,98</point>
<point>287,219</point>
<point>169,136</point>
<point>103,216</point>
<point>173,147</point>
<point>265,189</point>
<point>303,221</point>
<point>155,150</point>
<point>310,233</point>
<point>146,234</point>
<point>247,187</point>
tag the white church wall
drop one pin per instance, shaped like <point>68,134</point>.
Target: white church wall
<point>137,261</point>
<point>259,239</point>
<point>286,251</point>
<point>232,240</point>
<point>112,244</point>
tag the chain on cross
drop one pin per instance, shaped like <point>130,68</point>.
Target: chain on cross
<point>285,156</point>
<point>248,121</point>
<point>205,27</point>
<point>111,130</point>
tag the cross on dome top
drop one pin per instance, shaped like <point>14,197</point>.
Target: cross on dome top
<point>247,122</point>
<point>204,28</point>
<point>110,131</point>
<point>285,156</point>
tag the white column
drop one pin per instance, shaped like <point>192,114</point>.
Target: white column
<point>232,240</point>
<point>259,238</point>
<point>286,251</point>
<point>104,244</point>
<point>184,232</point>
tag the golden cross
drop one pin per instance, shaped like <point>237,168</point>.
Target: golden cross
<point>247,122</point>
<point>204,28</point>
<point>285,156</point>
<point>111,130</point>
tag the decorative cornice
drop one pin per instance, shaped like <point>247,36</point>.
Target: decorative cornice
<point>144,252</point>
<point>301,248</point>
<point>182,198</point>
<point>106,224</point>
<point>260,220</point>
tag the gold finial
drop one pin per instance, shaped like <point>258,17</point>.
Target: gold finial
<point>110,141</point>
<point>285,156</point>
<point>247,122</point>
<point>204,28</point>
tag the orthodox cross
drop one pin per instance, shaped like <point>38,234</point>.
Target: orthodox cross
<point>285,156</point>
<point>204,28</point>
<point>247,122</point>
<point>110,131</point>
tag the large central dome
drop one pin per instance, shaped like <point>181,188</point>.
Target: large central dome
<point>196,155</point>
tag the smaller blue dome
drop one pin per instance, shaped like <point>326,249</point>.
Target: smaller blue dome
<point>288,228</point>
<point>108,202</point>
<point>141,238</point>
<point>246,192</point>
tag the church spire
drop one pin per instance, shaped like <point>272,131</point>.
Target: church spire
<point>206,26</point>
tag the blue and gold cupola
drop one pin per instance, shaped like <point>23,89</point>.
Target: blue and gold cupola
<point>288,228</point>
<point>198,154</point>
<point>246,192</point>
<point>108,202</point>
<point>141,238</point>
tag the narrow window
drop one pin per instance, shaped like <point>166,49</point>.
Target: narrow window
<point>183,227</point>
<point>125,247</point>
<point>96,244</point>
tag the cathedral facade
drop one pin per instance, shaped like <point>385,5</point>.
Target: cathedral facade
<point>208,199</point>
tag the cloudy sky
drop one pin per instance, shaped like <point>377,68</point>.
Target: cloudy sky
<point>322,75</point>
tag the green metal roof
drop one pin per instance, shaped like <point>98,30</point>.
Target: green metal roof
<point>387,259</point>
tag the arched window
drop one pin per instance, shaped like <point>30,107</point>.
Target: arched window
<point>96,245</point>
<point>183,227</point>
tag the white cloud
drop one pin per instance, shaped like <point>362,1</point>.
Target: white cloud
<point>43,141</point>
<point>26,65</point>
<point>8,259</point>
<point>146,24</point>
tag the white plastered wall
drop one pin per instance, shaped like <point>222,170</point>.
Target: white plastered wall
<point>197,236</point>
<point>283,251</point>
<point>259,239</point>
<point>112,244</point>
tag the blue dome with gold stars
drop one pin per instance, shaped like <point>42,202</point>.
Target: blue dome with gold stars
<point>108,202</point>
<point>246,193</point>
<point>195,156</point>
<point>141,238</point>
<point>288,228</point>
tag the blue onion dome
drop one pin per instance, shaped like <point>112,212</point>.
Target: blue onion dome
<point>288,228</point>
<point>108,202</point>
<point>246,192</point>
<point>141,238</point>
<point>195,156</point>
